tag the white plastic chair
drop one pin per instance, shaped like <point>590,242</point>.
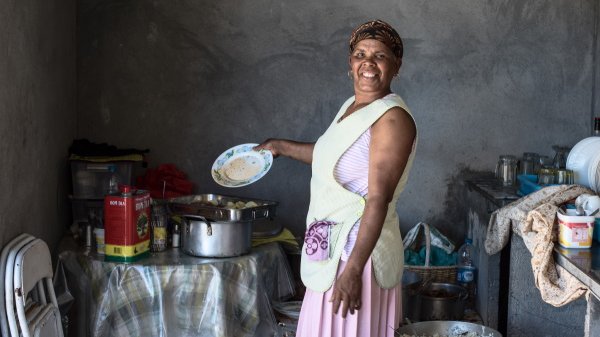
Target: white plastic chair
<point>33,269</point>
<point>46,323</point>
<point>7,258</point>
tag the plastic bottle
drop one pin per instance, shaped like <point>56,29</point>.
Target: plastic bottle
<point>176,236</point>
<point>467,271</point>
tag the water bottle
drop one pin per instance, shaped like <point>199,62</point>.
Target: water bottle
<point>466,273</point>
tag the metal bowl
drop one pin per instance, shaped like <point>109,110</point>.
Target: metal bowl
<point>215,207</point>
<point>446,328</point>
<point>442,301</point>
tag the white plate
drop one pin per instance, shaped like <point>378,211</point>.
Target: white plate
<point>581,157</point>
<point>241,165</point>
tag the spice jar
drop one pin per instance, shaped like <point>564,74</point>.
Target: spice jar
<point>563,176</point>
<point>158,237</point>
<point>545,176</point>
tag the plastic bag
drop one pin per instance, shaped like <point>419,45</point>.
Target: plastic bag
<point>411,240</point>
<point>63,294</point>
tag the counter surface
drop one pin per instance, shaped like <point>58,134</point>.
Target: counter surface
<point>582,263</point>
<point>493,191</point>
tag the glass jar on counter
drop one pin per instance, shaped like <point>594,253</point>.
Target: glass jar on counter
<point>158,235</point>
<point>544,162</point>
<point>560,157</point>
<point>529,164</point>
<point>563,176</point>
<point>506,170</point>
<point>545,176</point>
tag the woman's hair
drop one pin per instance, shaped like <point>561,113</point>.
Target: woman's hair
<point>378,30</point>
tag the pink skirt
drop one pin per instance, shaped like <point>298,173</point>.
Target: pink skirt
<point>379,315</point>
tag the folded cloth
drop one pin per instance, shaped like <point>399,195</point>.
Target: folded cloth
<point>285,237</point>
<point>533,218</point>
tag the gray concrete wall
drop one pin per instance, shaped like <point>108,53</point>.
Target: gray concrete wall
<point>37,116</point>
<point>189,79</point>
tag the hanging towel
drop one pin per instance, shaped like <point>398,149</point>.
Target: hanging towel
<point>533,218</point>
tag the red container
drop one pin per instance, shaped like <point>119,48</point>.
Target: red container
<point>127,225</point>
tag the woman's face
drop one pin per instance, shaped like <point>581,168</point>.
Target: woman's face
<point>373,67</point>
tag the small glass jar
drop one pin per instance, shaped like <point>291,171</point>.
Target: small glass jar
<point>506,170</point>
<point>563,176</point>
<point>560,157</point>
<point>158,235</point>
<point>544,162</point>
<point>527,165</point>
<point>545,176</point>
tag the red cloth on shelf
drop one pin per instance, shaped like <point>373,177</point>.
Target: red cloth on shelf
<point>164,182</point>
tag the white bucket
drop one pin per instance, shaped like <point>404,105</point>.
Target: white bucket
<point>575,231</point>
<point>584,161</point>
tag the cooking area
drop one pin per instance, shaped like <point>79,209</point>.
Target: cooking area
<point>160,106</point>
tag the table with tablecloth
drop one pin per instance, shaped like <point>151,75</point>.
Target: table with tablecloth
<point>174,294</point>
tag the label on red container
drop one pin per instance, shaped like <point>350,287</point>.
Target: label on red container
<point>127,225</point>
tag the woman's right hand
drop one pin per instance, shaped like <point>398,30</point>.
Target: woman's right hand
<point>288,148</point>
<point>271,144</point>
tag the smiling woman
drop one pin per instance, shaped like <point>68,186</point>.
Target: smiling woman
<point>360,166</point>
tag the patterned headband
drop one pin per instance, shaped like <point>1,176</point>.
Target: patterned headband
<point>380,31</point>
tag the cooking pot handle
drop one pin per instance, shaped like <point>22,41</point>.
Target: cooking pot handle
<point>203,219</point>
<point>196,217</point>
<point>463,295</point>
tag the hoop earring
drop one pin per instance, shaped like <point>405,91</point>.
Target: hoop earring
<point>350,75</point>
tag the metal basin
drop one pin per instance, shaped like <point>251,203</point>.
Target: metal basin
<point>217,207</point>
<point>446,328</point>
<point>442,301</point>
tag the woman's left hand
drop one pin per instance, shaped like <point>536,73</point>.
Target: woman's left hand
<point>347,292</point>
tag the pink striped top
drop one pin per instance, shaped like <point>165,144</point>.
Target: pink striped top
<point>352,172</point>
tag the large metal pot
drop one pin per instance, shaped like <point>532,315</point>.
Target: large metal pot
<point>446,328</point>
<point>201,237</point>
<point>442,301</point>
<point>411,302</point>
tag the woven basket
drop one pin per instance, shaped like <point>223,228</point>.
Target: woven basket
<point>441,274</point>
